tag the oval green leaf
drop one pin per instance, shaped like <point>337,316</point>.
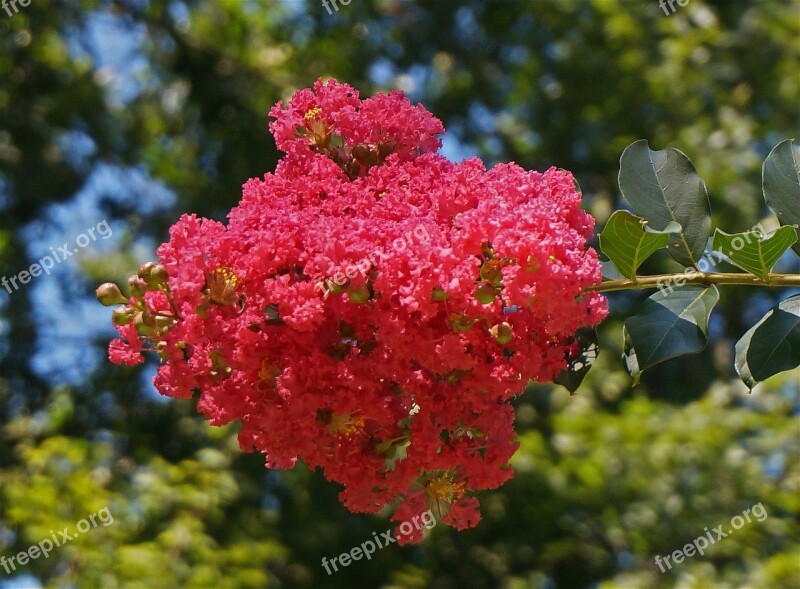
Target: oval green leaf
<point>752,252</point>
<point>628,241</point>
<point>664,187</point>
<point>772,345</point>
<point>781,184</point>
<point>670,324</point>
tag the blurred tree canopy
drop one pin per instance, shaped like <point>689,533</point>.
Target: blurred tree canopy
<point>135,111</point>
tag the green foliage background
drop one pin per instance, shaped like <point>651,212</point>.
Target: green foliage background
<point>605,480</point>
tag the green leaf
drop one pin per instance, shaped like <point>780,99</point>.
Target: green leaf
<point>628,241</point>
<point>664,187</point>
<point>752,252</point>
<point>781,184</point>
<point>772,345</point>
<point>670,324</point>
<point>579,364</point>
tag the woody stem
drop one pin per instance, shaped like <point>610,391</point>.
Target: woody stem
<point>704,278</point>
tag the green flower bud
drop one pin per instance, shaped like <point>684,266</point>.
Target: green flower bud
<point>144,270</point>
<point>109,294</point>
<point>154,275</point>
<point>461,323</point>
<point>162,321</point>
<point>358,295</point>
<point>502,333</point>
<point>123,315</point>
<point>138,287</point>
<point>158,274</point>
<point>491,272</point>
<point>144,324</point>
<point>485,293</point>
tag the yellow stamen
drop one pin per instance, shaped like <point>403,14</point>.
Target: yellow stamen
<point>268,373</point>
<point>442,489</point>
<point>346,424</point>
<point>312,114</point>
<point>221,286</point>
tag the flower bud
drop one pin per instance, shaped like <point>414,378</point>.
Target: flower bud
<point>502,333</point>
<point>138,287</point>
<point>339,155</point>
<point>143,324</point>
<point>358,295</point>
<point>162,321</point>
<point>123,315</point>
<point>144,270</point>
<point>159,274</point>
<point>491,272</point>
<point>109,294</point>
<point>154,275</point>
<point>439,294</point>
<point>366,155</point>
<point>485,293</point>
<point>386,147</point>
<point>461,323</point>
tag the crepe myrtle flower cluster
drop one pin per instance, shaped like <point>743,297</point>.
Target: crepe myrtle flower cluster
<point>398,383</point>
